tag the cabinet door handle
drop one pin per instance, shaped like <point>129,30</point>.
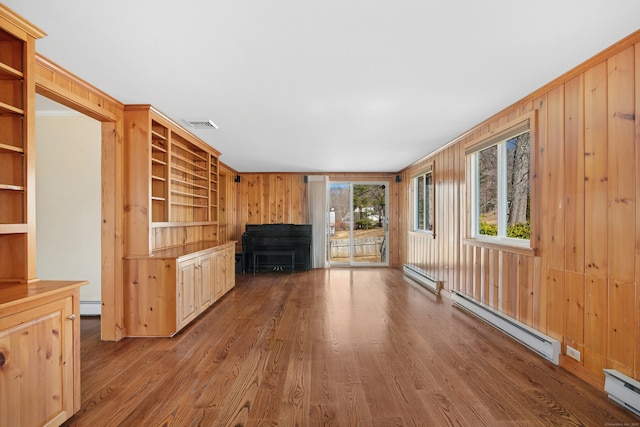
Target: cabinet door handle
<point>71,317</point>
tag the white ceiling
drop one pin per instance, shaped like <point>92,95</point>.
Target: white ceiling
<point>326,86</point>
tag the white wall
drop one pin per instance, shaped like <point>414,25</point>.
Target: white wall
<point>68,202</point>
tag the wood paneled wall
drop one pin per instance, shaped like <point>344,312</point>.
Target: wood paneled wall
<point>271,198</point>
<point>580,286</point>
<point>228,203</point>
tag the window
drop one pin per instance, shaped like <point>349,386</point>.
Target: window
<point>500,185</point>
<point>424,213</point>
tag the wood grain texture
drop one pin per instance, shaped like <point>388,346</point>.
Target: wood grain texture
<point>574,176</point>
<point>621,166</point>
<point>331,347</point>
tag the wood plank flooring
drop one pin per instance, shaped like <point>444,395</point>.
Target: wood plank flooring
<point>339,347</point>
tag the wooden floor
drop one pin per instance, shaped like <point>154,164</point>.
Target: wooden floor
<point>331,347</point>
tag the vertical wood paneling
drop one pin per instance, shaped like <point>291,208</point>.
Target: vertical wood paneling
<point>494,285</point>
<point>637,219</point>
<point>477,272</point>
<point>575,310</point>
<point>460,196</point>
<point>595,328</point>
<point>621,226</point>
<point>574,175</point>
<point>596,244</point>
<point>273,202</point>
<point>621,157</point>
<point>228,202</point>
<point>467,286</point>
<point>595,165</point>
<point>525,289</point>
<point>484,276</point>
<point>621,322</point>
<point>540,287</point>
<point>555,177</point>
<point>555,303</point>
<point>510,269</point>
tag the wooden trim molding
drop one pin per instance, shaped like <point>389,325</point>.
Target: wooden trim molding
<point>17,25</point>
<point>522,250</point>
<point>60,85</point>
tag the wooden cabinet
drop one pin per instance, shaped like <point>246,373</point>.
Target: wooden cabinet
<point>166,291</point>
<point>39,353</point>
<point>17,132</point>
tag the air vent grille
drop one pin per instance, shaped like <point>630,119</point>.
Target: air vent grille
<point>201,123</point>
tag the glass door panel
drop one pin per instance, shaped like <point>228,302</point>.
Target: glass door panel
<point>339,250</point>
<point>358,223</point>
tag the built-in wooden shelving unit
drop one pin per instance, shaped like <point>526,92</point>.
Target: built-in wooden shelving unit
<point>175,264</point>
<point>171,179</point>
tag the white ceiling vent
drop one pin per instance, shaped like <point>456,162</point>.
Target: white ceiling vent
<point>201,123</point>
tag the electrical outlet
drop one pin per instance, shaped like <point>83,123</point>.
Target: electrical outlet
<point>573,353</point>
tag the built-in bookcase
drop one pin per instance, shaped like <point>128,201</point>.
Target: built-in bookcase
<point>189,182</point>
<point>171,195</point>
<point>17,93</point>
<point>12,136</point>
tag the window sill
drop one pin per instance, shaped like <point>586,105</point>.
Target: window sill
<point>423,233</point>
<point>502,246</point>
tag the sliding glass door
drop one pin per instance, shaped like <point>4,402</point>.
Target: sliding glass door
<point>357,223</point>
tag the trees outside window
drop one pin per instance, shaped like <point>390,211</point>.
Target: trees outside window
<point>423,202</point>
<point>501,190</point>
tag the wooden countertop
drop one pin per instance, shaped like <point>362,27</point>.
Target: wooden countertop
<point>15,293</point>
<point>182,250</point>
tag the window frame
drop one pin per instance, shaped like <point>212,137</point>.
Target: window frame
<point>428,170</point>
<point>498,137</point>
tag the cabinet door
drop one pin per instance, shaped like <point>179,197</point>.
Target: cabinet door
<point>205,281</point>
<point>229,268</point>
<point>187,290</point>
<point>36,365</point>
<point>218,275</point>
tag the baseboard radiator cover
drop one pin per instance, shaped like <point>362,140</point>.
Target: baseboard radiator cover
<point>622,389</point>
<point>90,308</point>
<point>422,278</point>
<point>545,346</point>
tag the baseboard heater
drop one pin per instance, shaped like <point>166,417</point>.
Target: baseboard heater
<point>623,390</point>
<point>420,277</point>
<point>542,344</point>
